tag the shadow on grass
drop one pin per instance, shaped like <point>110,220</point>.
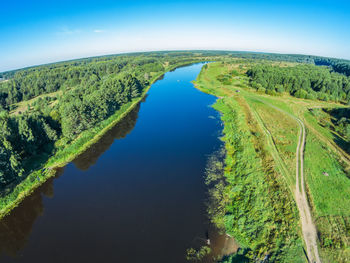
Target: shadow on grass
<point>340,120</point>
<point>340,116</point>
<point>341,143</point>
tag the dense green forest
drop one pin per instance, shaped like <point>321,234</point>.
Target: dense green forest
<point>70,97</point>
<point>21,138</point>
<point>86,101</point>
<point>301,81</point>
<point>338,65</point>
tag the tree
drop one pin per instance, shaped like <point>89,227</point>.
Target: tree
<point>300,94</point>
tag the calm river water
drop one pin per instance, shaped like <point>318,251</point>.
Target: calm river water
<point>136,196</point>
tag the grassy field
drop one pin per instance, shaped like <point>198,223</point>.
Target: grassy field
<point>325,163</point>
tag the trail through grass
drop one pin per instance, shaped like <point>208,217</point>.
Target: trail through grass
<point>326,184</point>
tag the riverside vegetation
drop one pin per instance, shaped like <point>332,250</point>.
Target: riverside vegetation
<point>52,113</point>
<point>253,183</point>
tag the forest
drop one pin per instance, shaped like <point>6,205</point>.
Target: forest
<point>302,81</point>
<point>337,65</point>
<point>60,101</point>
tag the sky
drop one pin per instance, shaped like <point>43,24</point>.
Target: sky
<point>37,32</point>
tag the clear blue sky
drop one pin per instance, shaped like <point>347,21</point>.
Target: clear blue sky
<point>36,32</point>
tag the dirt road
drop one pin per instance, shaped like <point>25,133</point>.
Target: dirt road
<point>307,225</point>
<point>308,228</point>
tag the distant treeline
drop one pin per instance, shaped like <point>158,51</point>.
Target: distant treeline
<point>302,81</point>
<point>338,65</point>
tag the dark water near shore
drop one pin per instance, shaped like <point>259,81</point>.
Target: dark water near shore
<point>138,195</point>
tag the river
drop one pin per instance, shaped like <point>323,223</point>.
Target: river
<point>138,195</point>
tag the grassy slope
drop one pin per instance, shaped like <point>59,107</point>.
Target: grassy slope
<point>67,153</point>
<point>330,196</point>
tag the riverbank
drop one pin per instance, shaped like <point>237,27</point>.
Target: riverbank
<point>69,152</point>
<point>328,174</point>
<point>250,200</point>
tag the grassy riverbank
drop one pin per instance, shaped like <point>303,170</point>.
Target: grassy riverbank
<point>273,135</point>
<point>256,210</point>
<point>249,199</point>
<point>65,153</point>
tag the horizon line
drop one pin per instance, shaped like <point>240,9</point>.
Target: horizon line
<point>175,50</point>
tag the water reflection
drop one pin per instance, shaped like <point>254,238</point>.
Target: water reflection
<point>15,228</point>
<point>119,131</point>
<point>220,243</point>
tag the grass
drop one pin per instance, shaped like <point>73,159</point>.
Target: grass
<point>330,199</point>
<point>23,105</point>
<point>66,153</point>
<point>328,137</point>
<point>329,195</point>
<point>284,134</point>
<point>334,238</point>
<point>256,207</point>
<point>257,190</point>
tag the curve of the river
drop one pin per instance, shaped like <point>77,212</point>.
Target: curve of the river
<point>138,195</point>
